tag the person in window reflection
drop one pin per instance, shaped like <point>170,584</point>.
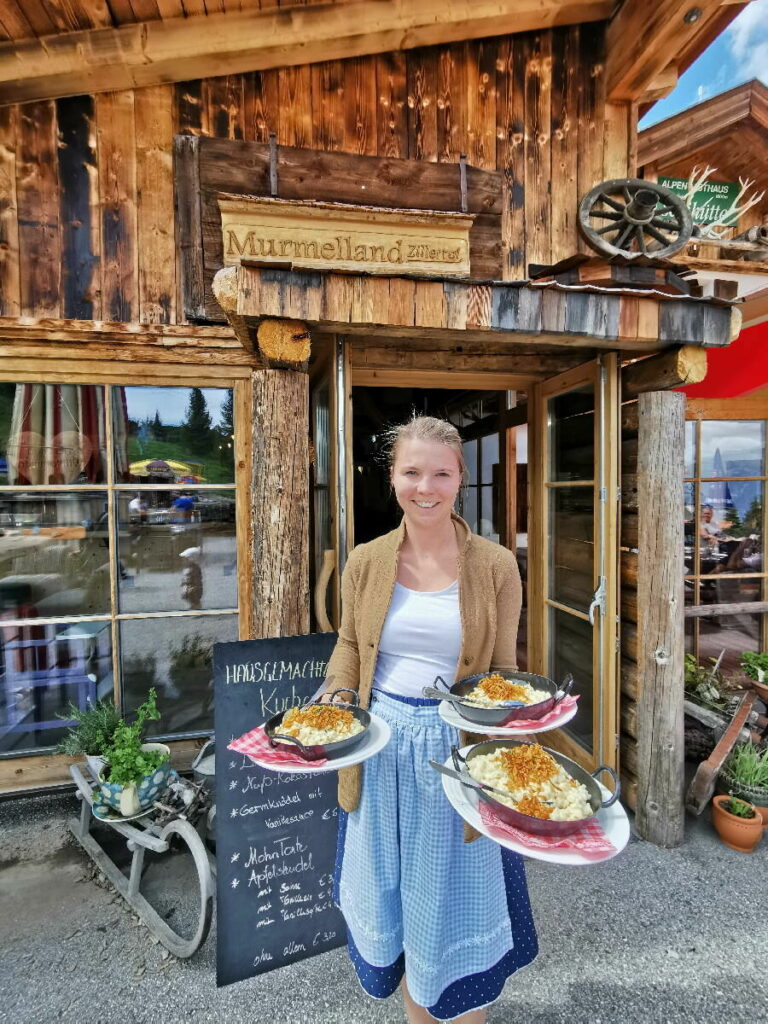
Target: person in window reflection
<point>137,510</point>
<point>430,906</point>
<point>709,530</point>
<point>747,556</point>
<point>192,578</point>
<point>183,507</point>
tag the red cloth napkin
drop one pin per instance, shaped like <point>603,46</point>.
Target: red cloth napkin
<point>523,724</point>
<point>589,842</point>
<point>256,744</point>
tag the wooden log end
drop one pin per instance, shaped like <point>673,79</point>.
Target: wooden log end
<point>284,342</point>
<point>224,287</point>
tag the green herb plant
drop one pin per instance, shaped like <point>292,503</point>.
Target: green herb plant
<point>747,764</point>
<point>755,665</point>
<point>127,761</point>
<point>94,731</point>
<point>740,808</point>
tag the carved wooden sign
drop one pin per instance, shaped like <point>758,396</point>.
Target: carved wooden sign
<point>392,191</point>
<point>332,236</point>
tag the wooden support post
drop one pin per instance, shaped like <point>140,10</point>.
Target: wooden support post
<point>660,638</point>
<point>280,503</point>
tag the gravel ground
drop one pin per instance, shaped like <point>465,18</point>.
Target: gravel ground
<point>653,936</point>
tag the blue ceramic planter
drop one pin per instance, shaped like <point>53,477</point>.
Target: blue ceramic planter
<point>136,797</point>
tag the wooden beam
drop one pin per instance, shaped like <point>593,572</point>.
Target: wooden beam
<point>644,38</point>
<point>225,285</point>
<point>661,86</point>
<point>283,343</point>
<point>180,49</point>
<point>711,611</point>
<point>673,369</point>
<point>660,635</point>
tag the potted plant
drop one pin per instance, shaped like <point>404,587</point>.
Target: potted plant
<point>756,667</point>
<point>93,733</point>
<point>745,775</point>
<point>136,772</point>
<point>737,822</point>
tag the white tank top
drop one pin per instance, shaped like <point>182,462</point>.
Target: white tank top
<point>421,639</point>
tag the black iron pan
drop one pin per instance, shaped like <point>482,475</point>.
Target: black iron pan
<point>314,753</point>
<point>502,716</point>
<point>526,822</point>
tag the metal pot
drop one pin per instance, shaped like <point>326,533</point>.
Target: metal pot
<point>504,716</point>
<point>336,749</point>
<point>526,822</point>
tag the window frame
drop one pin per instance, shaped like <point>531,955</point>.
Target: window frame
<point>115,373</point>
<point>699,410</point>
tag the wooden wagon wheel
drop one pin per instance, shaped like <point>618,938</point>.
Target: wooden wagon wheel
<point>630,217</point>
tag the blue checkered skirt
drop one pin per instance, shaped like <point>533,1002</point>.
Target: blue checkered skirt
<point>453,916</point>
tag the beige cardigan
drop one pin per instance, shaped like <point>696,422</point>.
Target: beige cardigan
<point>490,596</point>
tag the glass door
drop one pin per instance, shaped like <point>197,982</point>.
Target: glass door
<point>574,514</point>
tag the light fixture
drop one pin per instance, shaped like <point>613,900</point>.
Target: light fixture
<point>692,15</point>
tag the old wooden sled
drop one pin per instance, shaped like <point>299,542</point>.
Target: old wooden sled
<point>156,832</point>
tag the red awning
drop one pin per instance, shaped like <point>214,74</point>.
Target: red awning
<point>737,370</point>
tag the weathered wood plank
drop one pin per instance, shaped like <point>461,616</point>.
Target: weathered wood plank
<point>422,104</point>
<point>154,215</point>
<point>294,97</point>
<point>360,134</point>
<point>392,98</point>
<point>328,102</point>
<point>10,287</point>
<point>451,102</point>
<point>188,98</point>
<point>510,154</point>
<point>538,90</point>
<point>590,107</point>
<point>78,182</point>
<point>564,197</point>
<point>38,210</point>
<point>192,296</point>
<point>279,502</point>
<point>117,192</point>
<point>223,104</point>
<point>481,59</point>
<point>660,635</point>
<point>261,105</point>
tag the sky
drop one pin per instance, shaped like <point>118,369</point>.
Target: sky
<point>171,403</point>
<point>736,56</point>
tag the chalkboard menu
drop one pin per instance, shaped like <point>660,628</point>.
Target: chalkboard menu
<point>275,833</point>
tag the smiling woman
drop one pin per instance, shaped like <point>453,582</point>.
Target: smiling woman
<point>416,601</point>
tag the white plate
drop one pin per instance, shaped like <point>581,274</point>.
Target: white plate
<point>377,738</point>
<point>613,819</point>
<point>451,716</point>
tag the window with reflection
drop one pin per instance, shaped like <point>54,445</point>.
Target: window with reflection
<point>118,555</point>
<point>724,538</point>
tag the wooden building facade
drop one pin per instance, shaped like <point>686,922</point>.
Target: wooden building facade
<point>140,525</point>
<point>727,413</point>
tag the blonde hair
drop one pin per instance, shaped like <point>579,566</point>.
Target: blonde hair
<point>424,428</point>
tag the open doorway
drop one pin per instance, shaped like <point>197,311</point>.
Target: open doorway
<point>494,498</point>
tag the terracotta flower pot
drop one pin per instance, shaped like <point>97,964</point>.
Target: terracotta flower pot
<point>742,834</point>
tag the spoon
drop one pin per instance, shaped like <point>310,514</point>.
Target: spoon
<point>430,691</point>
<point>467,780</point>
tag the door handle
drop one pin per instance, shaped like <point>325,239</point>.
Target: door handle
<point>598,601</point>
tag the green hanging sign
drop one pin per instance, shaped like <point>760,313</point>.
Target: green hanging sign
<point>712,200</point>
